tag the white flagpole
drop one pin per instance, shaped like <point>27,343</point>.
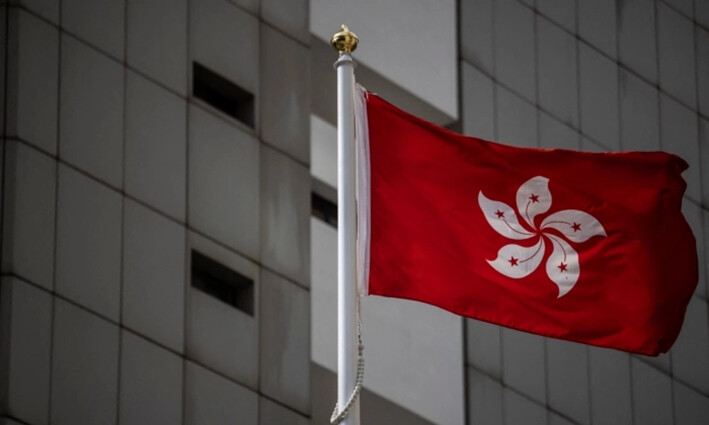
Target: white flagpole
<point>347,341</point>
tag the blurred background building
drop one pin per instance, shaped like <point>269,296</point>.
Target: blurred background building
<point>169,205</point>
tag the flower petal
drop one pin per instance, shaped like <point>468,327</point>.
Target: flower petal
<point>576,225</point>
<point>518,261</point>
<point>502,218</point>
<point>533,198</point>
<point>563,265</point>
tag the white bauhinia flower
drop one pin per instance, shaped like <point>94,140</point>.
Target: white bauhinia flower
<point>515,261</point>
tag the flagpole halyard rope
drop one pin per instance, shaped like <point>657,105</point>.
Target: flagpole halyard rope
<point>336,418</point>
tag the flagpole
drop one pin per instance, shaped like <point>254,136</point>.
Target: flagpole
<point>347,349</point>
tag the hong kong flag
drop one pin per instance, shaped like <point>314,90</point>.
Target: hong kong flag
<point>587,247</point>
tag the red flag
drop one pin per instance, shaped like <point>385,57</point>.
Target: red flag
<point>587,247</point>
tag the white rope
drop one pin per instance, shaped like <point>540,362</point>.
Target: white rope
<point>336,418</point>
<point>362,189</point>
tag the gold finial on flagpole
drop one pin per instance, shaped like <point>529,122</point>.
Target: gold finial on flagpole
<point>344,41</point>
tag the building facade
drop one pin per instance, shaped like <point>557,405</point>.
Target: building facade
<point>169,205</point>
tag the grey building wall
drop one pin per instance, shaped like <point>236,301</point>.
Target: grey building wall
<point>596,75</point>
<point>113,173</point>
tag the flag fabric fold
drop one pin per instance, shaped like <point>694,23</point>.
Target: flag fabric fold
<point>587,247</point>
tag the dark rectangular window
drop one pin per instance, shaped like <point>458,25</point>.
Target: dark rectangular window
<point>222,94</point>
<point>222,283</point>
<point>324,209</point>
<point>323,202</point>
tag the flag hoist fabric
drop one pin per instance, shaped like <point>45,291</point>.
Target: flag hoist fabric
<point>587,247</point>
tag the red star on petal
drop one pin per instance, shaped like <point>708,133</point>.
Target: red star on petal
<point>513,261</point>
<point>562,267</point>
<point>576,227</point>
<point>500,214</point>
<point>534,198</point>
